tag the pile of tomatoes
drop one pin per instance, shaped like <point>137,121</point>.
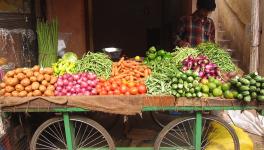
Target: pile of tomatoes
<point>120,87</point>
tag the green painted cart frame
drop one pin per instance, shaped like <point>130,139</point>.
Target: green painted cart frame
<point>224,105</point>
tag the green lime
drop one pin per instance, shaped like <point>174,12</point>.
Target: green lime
<point>217,92</point>
<point>184,76</point>
<point>159,58</point>
<point>205,89</point>
<point>228,95</point>
<point>226,86</point>
<point>211,79</point>
<point>212,86</point>
<point>190,79</point>
<point>217,82</point>
<point>198,88</point>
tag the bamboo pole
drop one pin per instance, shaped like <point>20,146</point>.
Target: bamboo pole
<point>255,29</point>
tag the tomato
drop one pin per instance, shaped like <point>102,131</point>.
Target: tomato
<point>131,84</point>
<point>108,88</point>
<point>117,92</point>
<point>123,89</point>
<point>124,82</point>
<point>133,91</point>
<point>127,93</point>
<point>119,82</point>
<point>142,89</point>
<point>114,86</point>
<point>110,93</point>
<point>103,92</point>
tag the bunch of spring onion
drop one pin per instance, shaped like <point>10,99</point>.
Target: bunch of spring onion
<point>202,65</point>
<point>47,42</point>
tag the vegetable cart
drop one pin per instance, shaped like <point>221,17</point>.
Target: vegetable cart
<point>67,131</point>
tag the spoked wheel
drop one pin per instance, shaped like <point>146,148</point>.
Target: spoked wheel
<point>86,134</point>
<point>162,118</point>
<point>179,134</point>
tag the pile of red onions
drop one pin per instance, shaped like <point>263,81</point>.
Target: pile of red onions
<point>78,84</point>
<point>202,65</point>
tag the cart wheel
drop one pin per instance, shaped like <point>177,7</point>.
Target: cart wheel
<point>162,118</point>
<point>179,134</point>
<point>86,134</point>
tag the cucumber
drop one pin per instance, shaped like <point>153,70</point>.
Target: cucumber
<point>252,82</point>
<point>258,78</point>
<point>258,90</point>
<point>253,74</point>
<point>248,77</point>
<point>247,98</point>
<point>245,93</point>
<point>254,95</point>
<point>244,81</point>
<point>244,88</point>
<point>253,88</point>
<point>240,96</point>
<point>238,84</point>
<point>261,92</point>
<point>262,85</point>
<point>260,98</point>
<point>258,85</point>
<point>234,81</point>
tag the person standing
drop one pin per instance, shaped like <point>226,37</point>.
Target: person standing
<point>196,28</point>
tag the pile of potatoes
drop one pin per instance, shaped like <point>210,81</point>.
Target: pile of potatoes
<point>27,82</point>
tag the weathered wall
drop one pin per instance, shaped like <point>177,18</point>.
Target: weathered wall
<point>234,16</point>
<point>261,50</point>
<point>71,16</point>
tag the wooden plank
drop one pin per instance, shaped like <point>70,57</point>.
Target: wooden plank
<point>255,27</point>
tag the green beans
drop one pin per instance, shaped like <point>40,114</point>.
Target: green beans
<point>98,63</point>
<point>218,56</point>
<point>182,53</point>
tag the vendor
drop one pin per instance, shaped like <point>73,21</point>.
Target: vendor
<point>196,28</point>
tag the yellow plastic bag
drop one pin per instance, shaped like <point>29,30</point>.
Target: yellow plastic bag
<point>220,139</point>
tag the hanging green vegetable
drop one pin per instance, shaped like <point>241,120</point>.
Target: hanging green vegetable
<point>47,42</point>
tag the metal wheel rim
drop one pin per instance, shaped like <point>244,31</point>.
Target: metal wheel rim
<point>62,137</point>
<point>189,140</point>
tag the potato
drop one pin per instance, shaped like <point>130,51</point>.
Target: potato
<point>41,71</point>
<point>2,92</point>
<point>47,77</point>
<point>19,88</point>
<point>9,89</point>
<point>35,86</point>
<point>25,82</point>
<point>51,87</point>
<point>53,80</point>
<point>36,68</point>
<point>37,93</point>
<point>25,70</point>
<point>45,83</point>
<point>29,73</point>
<point>49,93</point>
<point>28,88</point>
<point>8,94</point>
<point>20,76</point>
<point>33,79</point>
<point>18,70</point>
<point>36,74</point>
<point>22,94</point>
<point>48,71</point>
<point>40,78</point>
<point>15,93</point>
<point>10,73</point>
<point>2,85</point>
<point>42,88</point>
<point>12,81</point>
<point>30,94</point>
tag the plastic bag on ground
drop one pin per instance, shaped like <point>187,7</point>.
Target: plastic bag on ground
<point>220,139</point>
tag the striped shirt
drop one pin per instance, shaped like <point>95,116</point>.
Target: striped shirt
<point>194,30</point>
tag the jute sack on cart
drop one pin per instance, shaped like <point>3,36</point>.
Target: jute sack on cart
<point>220,139</point>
